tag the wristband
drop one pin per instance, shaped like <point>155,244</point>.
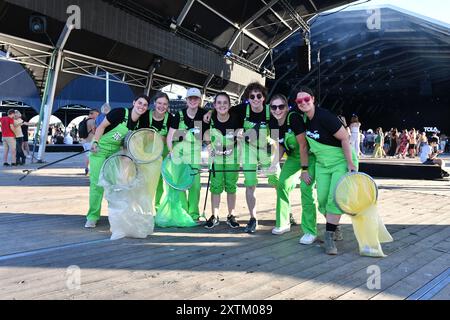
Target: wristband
<point>96,142</point>
<point>304,167</point>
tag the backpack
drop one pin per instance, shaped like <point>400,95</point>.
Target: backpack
<point>83,132</point>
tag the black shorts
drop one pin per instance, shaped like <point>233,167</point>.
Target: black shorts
<point>411,146</point>
<point>428,162</point>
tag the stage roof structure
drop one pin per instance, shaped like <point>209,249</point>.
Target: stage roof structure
<point>214,45</point>
<point>395,75</point>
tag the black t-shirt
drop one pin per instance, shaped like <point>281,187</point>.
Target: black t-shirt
<point>190,122</point>
<point>323,126</point>
<point>116,117</point>
<point>232,124</point>
<point>297,126</point>
<point>198,120</point>
<point>240,112</point>
<point>144,122</point>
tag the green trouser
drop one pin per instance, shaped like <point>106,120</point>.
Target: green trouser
<point>160,188</point>
<point>194,196</point>
<point>331,165</point>
<point>251,156</point>
<point>109,143</point>
<point>290,174</point>
<point>227,181</point>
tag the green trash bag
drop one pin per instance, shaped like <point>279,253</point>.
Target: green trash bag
<point>178,177</point>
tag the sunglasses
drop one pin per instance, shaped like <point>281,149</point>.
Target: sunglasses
<point>258,96</point>
<point>305,99</point>
<point>275,107</point>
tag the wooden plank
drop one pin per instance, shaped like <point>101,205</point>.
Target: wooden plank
<point>154,261</point>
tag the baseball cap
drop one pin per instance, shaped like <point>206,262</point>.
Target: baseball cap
<point>193,92</point>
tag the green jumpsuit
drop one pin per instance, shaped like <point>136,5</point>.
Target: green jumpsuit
<point>110,143</point>
<point>163,132</point>
<point>290,174</point>
<point>220,180</point>
<point>253,154</point>
<point>331,165</point>
<point>193,156</point>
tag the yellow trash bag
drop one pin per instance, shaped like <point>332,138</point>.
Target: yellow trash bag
<point>356,194</point>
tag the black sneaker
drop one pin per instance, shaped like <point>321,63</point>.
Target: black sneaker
<point>14,164</point>
<point>6,164</point>
<point>292,220</point>
<point>231,221</point>
<point>251,226</point>
<point>212,222</point>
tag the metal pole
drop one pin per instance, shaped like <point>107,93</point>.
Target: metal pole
<point>49,97</point>
<point>107,87</point>
<point>318,79</point>
<point>37,136</point>
<point>150,80</point>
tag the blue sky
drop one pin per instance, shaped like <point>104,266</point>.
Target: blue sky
<point>436,9</point>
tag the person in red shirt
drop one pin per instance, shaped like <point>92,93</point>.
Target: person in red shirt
<point>9,138</point>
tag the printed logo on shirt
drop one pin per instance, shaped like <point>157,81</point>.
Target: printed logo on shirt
<point>313,135</point>
<point>229,135</point>
<point>117,136</point>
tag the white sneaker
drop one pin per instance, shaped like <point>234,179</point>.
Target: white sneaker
<point>307,239</point>
<point>90,224</point>
<point>281,230</point>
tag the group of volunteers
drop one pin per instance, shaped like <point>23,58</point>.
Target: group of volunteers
<point>251,137</point>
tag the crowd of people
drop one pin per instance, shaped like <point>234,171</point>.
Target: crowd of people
<point>393,143</point>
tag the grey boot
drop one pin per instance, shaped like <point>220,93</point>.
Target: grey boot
<point>292,220</point>
<point>338,234</point>
<point>330,247</point>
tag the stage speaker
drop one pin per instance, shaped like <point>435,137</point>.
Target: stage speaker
<point>304,57</point>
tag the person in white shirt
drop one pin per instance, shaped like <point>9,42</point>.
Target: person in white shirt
<point>428,156</point>
<point>68,139</point>
<point>355,125</point>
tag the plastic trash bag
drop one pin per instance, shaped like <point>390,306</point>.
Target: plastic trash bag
<point>172,211</point>
<point>356,194</point>
<point>370,232</point>
<point>129,205</point>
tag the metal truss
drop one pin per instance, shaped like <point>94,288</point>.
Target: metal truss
<point>78,64</point>
<point>250,65</point>
<point>161,81</point>
<point>29,53</point>
<point>13,104</point>
<point>295,16</point>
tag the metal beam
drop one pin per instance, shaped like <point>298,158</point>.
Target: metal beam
<point>249,21</point>
<point>184,12</point>
<point>84,67</point>
<point>205,85</point>
<point>295,16</point>
<point>278,16</point>
<point>247,33</point>
<point>49,97</point>
<point>313,5</point>
<point>25,54</point>
<point>284,38</point>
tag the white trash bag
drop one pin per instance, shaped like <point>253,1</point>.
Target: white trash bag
<point>128,211</point>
